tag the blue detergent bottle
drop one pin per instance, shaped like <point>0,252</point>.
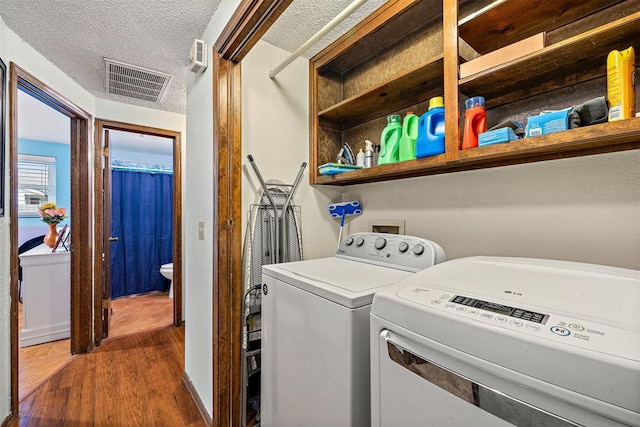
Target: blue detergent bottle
<point>431,130</point>
<point>408,138</point>
<point>390,140</point>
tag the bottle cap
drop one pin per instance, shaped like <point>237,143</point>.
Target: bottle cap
<point>410,112</point>
<point>476,101</point>
<point>436,102</point>
<point>393,118</point>
<point>368,145</point>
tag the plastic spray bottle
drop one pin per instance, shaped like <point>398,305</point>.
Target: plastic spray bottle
<point>368,154</point>
<point>431,130</point>
<point>408,138</point>
<point>475,122</point>
<point>621,92</point>
<point>390,140</point>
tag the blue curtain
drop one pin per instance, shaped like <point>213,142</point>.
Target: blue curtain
<point>141,217</point>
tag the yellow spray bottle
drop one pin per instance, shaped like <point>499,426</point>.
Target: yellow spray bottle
<point>621,84</point>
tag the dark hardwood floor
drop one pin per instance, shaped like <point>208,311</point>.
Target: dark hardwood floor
<point>134,380</point>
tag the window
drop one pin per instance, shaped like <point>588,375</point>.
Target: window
<point>36,183</point>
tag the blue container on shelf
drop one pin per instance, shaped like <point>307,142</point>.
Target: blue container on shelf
<point>431,130</point>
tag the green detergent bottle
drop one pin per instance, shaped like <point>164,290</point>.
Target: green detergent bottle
<point>408,138</point>
<point>390,140</point>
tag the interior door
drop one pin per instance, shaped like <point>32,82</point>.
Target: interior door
<point>107,237</point>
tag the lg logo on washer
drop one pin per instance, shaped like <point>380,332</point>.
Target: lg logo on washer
<point>513,293</point>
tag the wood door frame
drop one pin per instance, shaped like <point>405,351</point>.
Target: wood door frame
<point>81,199</point>
<point>100,126</point>
<point>249,22</point>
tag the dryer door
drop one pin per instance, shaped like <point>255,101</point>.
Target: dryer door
<point>415,390</point>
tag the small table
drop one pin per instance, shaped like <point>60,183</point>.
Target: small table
<point>46,293</point>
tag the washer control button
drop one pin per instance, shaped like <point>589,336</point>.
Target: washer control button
<point>418,249</point>
<point>486,316</point>
<point>559,330</point>
<point>461,309</point>
<point>451,306</point>
<point>403,247</point>
<point>576,326</point>
<point>501,319</point>
<point>473,311</point>
<point>533,327</point>
<point>517,323</point>
<point>381,242</point>
<point>348,241</point>
<point>359,241</point>
<point>436,302</point>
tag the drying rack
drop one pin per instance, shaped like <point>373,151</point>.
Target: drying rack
<point>273,236</point>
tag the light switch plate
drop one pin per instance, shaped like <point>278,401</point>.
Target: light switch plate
<point>201,230</point>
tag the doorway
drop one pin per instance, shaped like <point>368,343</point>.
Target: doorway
<point>106,134</point>
<point>80,256</point>
<point>141,231</point>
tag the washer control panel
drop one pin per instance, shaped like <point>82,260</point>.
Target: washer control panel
<point>391,250</point>
<point>517,318</point>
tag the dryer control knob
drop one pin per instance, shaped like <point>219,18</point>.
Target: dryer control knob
<point>381,242</point>
<point>418,249</point>
<point>359,241</point>
<point>348,241</point>
<point>403,247</point>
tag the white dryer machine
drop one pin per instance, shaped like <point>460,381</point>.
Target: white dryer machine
<point>488,341</point>
<point>315,328</point>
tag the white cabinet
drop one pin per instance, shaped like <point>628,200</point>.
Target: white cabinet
<point>46,294</point>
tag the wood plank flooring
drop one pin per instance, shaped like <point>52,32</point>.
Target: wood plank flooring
<point>130,315</point>
<point>133,380</point>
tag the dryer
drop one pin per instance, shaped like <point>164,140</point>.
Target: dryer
<point>488,341</point>
<point>315,328</point>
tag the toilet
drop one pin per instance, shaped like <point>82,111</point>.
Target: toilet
<point>167,271</point>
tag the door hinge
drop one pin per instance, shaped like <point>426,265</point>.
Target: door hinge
<point>105,304</point>
<point>105,151</point>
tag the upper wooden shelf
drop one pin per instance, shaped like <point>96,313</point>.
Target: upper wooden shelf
<point>410,88</point>
<point>574,60</point>
<point>602,138</point>
<point>508,21</point>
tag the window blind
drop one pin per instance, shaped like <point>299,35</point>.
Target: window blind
<point>36,183</point>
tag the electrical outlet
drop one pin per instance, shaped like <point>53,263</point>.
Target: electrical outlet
<point>393,226</point>
<point>201,230</point>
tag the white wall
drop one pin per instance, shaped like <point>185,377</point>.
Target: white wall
<point>14,49</point>
<point>198,206</point>
<point>584,209</point>
<point>275,130</point>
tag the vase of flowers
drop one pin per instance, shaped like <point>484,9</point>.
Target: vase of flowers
<point>52,216</point>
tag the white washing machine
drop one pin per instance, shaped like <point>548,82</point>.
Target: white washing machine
<point>487,341</point>
<point>315,328</point>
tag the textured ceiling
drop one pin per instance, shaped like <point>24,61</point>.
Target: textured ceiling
<point>304,18</point>
<point>76,35</point>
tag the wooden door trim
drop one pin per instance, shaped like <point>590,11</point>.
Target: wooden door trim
<point>82,244</point>
<point>247,25</point>
<point>250,21</point>
<point>100,126</point>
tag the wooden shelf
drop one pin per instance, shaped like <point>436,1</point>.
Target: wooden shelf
<point>504,23</point>
<point>391,39</point>
<point>602,138</point>
<point>575,60</point>
<point>410,88</point>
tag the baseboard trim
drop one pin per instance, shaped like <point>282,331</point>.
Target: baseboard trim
<point>196,399</point>
<point>10,420</point>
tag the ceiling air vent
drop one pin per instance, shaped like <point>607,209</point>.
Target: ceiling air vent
<point>135,82</point>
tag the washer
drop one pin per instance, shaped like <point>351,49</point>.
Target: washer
<point>315,328</point>
<point>488,341</point>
